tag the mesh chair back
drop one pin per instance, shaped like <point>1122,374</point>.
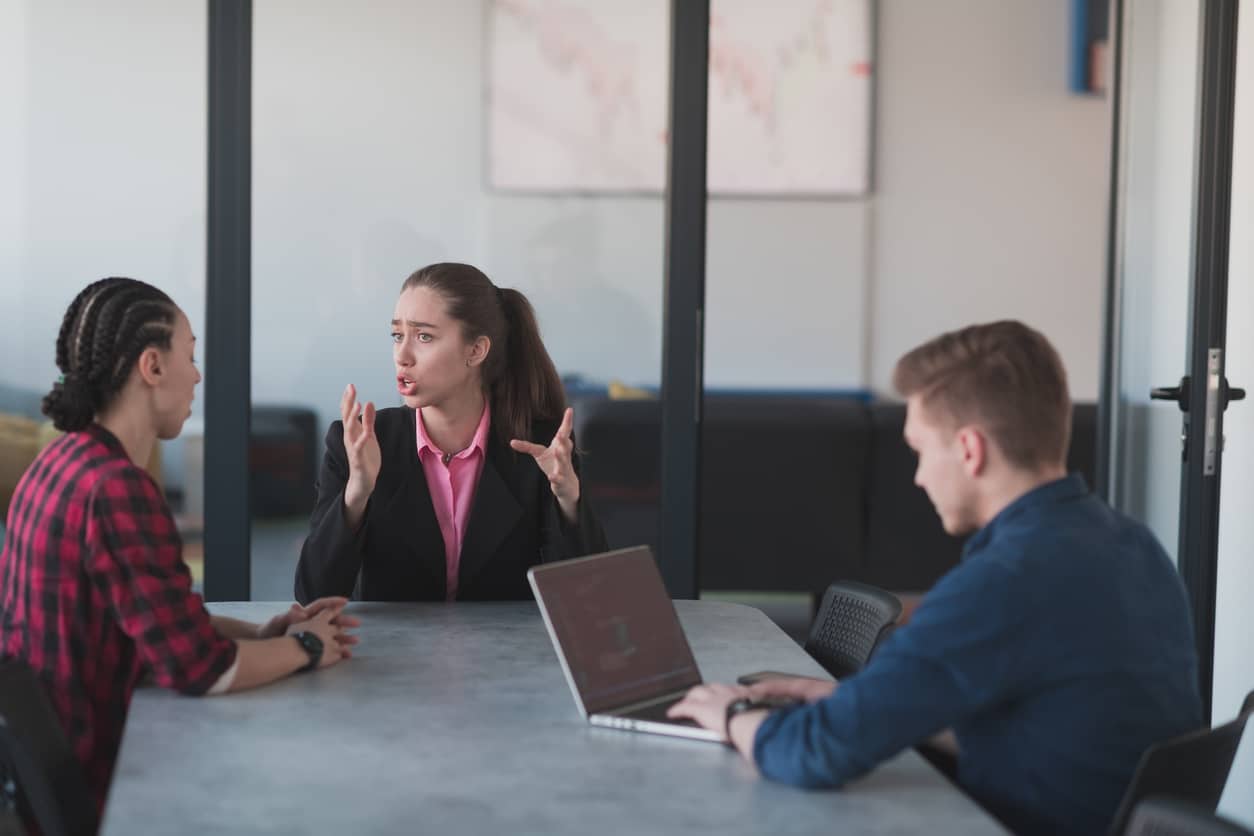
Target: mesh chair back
<point>853,619</point>
<point>1191,768</point>
<point>1167,817</point>
<point>35,756</point>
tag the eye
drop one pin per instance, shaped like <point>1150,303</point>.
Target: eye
<point>424,337</point>
<point>396,336</point>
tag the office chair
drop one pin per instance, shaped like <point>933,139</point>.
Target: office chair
<point>1247,707</point>
<point>853,619</point>
<point>1167,817</point>
<point>1191,768</point>
<point>47,781</point>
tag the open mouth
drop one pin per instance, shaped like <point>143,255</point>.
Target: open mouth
<point>405,385</point>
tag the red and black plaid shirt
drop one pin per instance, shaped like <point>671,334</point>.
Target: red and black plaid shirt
<point>94,593</point>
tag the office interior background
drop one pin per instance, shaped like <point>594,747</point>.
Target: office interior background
<point>989,197</point>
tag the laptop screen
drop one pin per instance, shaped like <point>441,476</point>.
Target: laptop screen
<point>616,627</point>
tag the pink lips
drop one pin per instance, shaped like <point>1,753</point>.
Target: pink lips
<point>407,389</point>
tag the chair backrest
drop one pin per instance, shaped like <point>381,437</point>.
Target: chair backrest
<point>1247,707</point>
<point>852,620</point>
<point>1168,817</point>
<point>34,753</point>
<point>1192,768</point>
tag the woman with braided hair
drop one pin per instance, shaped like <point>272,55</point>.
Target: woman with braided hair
<point>94,594</point>
<point>455,494</point>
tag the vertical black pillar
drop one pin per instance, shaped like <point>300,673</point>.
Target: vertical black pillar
<point>683,309</point>
<point>228,290</point>
<point>1199,517</point>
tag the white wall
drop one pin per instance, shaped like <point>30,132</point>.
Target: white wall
<point>992,181</point>
<point>102,163</point>
<point>368,162</point>
<point>12,177</point>
<point>1234,616</point>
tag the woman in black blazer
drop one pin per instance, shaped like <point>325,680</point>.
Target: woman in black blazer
<point>485,418</point>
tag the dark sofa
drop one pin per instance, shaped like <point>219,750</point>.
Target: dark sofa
<point>796,491</point>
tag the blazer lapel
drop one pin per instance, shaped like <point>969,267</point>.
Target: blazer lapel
<point>495,513</point>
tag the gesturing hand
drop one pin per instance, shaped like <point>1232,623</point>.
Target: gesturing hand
<point>361,446</point>
<point>555,462</point>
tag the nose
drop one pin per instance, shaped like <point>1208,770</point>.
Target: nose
<point>403,353</point>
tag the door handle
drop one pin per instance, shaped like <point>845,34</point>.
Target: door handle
<point>1179,394</point>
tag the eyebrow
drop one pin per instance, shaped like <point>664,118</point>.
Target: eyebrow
<point>413,324</point>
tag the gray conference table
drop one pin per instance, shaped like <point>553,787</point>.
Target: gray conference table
<point>457,719</point>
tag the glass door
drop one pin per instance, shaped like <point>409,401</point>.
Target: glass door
<point>1166,390</point>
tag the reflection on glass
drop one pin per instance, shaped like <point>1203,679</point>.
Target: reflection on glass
<point>102,149</point>
<point>369,161</point>
<point>1155,247</point>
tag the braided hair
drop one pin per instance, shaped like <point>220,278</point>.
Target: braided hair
<point>107,327</point>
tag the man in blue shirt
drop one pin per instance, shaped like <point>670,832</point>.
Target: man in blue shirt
<point>1051,657</point>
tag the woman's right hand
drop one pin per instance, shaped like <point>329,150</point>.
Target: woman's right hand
<point>362,448</point>
<point>331,628</point>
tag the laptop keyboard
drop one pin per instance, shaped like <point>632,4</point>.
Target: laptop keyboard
<point>657,713</point>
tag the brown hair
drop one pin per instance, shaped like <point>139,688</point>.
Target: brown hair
<point>1003,376</point>
<point>518,375</point>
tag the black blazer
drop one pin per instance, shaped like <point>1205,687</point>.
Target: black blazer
<point>397,554</point>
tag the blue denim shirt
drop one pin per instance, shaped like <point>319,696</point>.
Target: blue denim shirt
<point>1058,650</point>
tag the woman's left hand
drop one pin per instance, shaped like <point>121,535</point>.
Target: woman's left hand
<point>555,462</point>
<point>278,625</point>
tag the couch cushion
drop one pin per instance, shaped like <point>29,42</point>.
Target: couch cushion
<point>781,488</point>
<point>19,444</point>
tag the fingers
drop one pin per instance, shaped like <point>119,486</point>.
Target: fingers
<point>348,403</point>
<point>568,424</point>
<point>307,612</point>
<point>530,448</point>
<point>368,419</point>
<point>801,687</point>
<point>346,622</point>
<point>325,616</point>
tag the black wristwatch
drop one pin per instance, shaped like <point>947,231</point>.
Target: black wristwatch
<point>311,644</point>
<point>740,706</point>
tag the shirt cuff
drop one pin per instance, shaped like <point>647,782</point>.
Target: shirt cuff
<point>226,680</point>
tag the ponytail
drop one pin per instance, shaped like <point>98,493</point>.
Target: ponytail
<point>519,378</point>
<point>528,388</point>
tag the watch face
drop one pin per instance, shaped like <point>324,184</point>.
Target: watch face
<point>313,647</point>
<point>311,643</point>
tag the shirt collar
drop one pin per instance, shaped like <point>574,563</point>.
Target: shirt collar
<point>1056,492</point>
<point>106,437</point>
<point>479,442</point>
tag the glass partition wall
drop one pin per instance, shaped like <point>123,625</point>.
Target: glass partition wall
<point>102,161</point>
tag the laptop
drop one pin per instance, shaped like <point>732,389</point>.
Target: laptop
<point>616,633</point>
